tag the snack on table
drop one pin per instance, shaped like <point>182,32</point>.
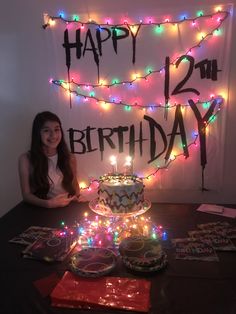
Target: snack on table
<point>142,253</point>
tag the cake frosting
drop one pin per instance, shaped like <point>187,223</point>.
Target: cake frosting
<point>121,193</point>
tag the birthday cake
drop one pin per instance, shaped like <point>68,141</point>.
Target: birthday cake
<point>121,193</point>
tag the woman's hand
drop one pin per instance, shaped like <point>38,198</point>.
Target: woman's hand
<point>60,201</point>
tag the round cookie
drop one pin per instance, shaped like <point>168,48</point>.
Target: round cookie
<point>151,268</point>
<point>141,250</point>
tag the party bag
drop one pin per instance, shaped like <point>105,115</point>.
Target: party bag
<point>101,293</point>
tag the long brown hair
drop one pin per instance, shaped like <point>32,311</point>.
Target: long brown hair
<point>39,161</point>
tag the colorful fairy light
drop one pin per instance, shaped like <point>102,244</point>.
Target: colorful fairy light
<point>114,101</point>
<point>101,231</point>
<point>145,22</point>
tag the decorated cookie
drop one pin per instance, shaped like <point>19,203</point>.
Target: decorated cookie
<point>141,251</point>
<point>151,268</point>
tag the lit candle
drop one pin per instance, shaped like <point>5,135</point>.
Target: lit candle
<point>113,164</point>
<point>129,165</point>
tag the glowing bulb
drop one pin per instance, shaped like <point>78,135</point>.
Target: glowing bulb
<point>127,108</point>
<point>102,82</point>
<point>105,105</point>
<point>51,22</point>
<point>82,185</point>
<point>172,157</point>
<point>182,109</point>
<point>75,18</point>
<point>223,94</point>
<point>159,29</point>
<point>135,76</point>
<point>134,28</point>
<point>201,35</point>
<point>218,9</point>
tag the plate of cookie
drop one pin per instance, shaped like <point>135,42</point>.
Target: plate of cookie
<point>141,253</point>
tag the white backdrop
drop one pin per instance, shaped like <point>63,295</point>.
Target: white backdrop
<point>135,58</point>
<point>31,55</point>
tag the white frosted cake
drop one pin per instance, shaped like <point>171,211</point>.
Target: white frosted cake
<point>121,193</point>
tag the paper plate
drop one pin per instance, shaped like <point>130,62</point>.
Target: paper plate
<point>93,262</point>
<point>141,250</point>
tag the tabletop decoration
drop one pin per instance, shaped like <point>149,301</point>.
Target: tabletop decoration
<point>221,227</point>
<point>194,249</point>
<point>93,262</point>
<point>215,239</point>
<point>110,231</point>
<point>53,249</point>
<point>204,242</point>
<point>33,233</point>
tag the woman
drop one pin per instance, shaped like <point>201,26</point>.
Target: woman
<point>48,175</point>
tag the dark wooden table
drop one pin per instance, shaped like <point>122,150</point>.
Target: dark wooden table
<point>184,287</point>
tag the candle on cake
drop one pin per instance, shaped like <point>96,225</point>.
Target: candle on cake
<point>128,165</point>
<point>113,162</point>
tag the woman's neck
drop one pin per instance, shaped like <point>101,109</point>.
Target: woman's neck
<point>49,152</point>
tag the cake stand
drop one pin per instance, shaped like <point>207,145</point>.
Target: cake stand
<point>107,212</point>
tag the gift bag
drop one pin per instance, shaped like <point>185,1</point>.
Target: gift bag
<point>104,292</point>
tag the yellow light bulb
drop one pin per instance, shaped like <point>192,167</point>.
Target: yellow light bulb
<point>51,22</point>
<point>172,156</point>
<point>201,35</point>
<point>218,9</point>
<point>82,185</point>
<point>105,105</point>
<point>134,28</point>
<point>135,76</point>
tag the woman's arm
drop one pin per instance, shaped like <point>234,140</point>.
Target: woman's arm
<point>28,196</point>
<point>74,170</point>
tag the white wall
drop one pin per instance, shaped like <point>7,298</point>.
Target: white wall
<point>24,90</point>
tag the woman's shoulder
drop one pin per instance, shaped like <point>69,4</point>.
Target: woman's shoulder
<point>24,158</point>
<point>24,163</point>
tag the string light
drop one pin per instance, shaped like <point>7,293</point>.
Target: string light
<point>48,18</point>
<point>128,107</point>
<point>202,37</point>
<point>110,232</point>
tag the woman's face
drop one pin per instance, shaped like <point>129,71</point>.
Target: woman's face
<point>50,137</point>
